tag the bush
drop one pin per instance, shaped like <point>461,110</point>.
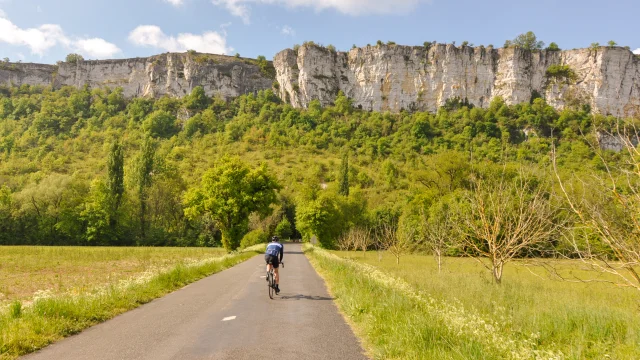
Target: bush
<point>254,237</point>
<point>74,58</point>
<point>553,47</point>
<point>561,72</point>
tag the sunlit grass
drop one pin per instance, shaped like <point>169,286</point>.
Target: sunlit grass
<point>25,270</point>
<point>582,320</point>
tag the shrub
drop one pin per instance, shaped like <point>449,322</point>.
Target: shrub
<point>276,85</point>
<point>465,43</point>
<point>191,52</point>
<point>74,58</point>
<point>612,43</point>
<point>594,46</point>
<point>237,55</point>
<point>390,43</point>
<point>254,237</point>
<point>553,47</point>
<point>379,43</point>
<point>331,48</point>
<point>561,72</point>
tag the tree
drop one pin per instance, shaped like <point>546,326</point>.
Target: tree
<point>612,43</point>
<point>553,47</point>
<point>506,218</point>
<point>528,41</point>
<point>606,234</point>
<point>115,183</point>
<point>74,58</point>
<point>160,124</point>
<point>197,100</point>
<point>394,239</point>
<point>594,46</point>
<point>283,230</point>
<point>144,179</point>
<point>438,225</point>
<point>229,193</point>
<point>344,176</point>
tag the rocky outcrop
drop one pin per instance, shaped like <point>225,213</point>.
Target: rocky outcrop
<point>392,77</point>
<point>167,74</point>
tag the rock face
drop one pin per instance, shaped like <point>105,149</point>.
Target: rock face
<point>392,77</point>
<point>167,74</point>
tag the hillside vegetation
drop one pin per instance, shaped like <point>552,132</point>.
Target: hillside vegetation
<point>88,167</point>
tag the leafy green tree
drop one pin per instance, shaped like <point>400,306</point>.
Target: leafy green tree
<point>229,193</point>
<point>344,176</point>
<point>144,178</point>
<point>594,46</point>
<point>160,124</point>
<point>612,43</point>
<point>284,229</point>
<point>528,41</point>
<point>115,183</point>
<point>6,221</point>
<point>197,100</point>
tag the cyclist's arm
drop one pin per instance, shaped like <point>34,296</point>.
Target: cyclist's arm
<point>281,252</point>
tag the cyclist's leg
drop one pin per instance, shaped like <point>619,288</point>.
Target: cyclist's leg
<point>277,276</point>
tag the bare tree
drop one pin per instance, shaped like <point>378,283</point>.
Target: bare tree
<point>357,238</point>
<point>394,239</point>
<point>438,230</point>
<point>607,234</point>
<point>505,220</point>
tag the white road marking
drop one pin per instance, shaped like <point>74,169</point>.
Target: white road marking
<point>229,318</point>
<point>263,276</point>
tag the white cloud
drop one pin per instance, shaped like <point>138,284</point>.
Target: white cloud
<point>241,8</point>
<point>175,2</point>
<point>287,30</point>
<point>96,47</point>
<point>46,36</point>
<point>636,51</point>
<point>208,42</point>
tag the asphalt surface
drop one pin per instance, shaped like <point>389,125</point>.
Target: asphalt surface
<point>301,323</point>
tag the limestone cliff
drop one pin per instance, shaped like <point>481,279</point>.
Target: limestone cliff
<point>167,74</point>
<point>392,77</point>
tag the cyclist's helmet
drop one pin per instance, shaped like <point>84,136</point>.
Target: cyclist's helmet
<point>275,238</point>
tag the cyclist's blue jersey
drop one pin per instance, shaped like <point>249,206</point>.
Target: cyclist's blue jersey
<point>275,249</point>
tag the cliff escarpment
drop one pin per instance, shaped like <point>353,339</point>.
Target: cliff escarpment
<point>167,74</point>
<point>393,77</point>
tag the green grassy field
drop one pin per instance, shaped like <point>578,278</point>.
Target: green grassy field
<point>27,270</point>
<point>55,292</point>
<point>544,316</point>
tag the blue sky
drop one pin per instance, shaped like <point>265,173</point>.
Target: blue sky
<point>46,30</point>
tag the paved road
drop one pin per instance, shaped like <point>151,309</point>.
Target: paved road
<point>301,323</point>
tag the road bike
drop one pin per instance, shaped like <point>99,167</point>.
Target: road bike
<point>271,280</point>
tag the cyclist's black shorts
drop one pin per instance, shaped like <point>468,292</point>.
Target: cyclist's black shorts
<point>273,260</point>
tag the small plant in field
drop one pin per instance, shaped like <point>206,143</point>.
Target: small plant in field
<point>15,309</point>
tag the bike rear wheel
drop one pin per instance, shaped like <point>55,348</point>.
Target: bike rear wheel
<point>271,283</point>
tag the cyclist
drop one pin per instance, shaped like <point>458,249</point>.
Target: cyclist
<point>273,257</point>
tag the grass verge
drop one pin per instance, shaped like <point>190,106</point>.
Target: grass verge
<point>396,321</point>
<point>24,329</point>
